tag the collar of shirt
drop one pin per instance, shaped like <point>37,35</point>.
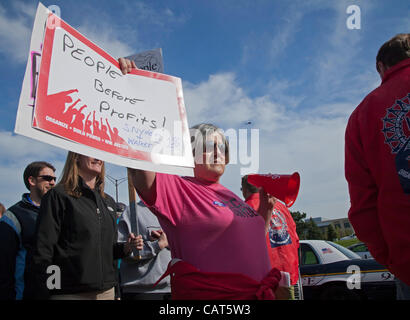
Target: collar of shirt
<point>402,64</point>
<point>27,196</point>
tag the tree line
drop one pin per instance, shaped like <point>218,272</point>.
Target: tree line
<point>308,229</point>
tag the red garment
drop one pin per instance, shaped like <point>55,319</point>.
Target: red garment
<point>188,283</point>
<point>282,240</point>
<point>377,170</point>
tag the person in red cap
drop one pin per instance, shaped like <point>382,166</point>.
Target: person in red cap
<point>281,239</point>
<point>377,166</point>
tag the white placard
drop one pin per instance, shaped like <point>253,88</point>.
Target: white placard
<point>79,80</point>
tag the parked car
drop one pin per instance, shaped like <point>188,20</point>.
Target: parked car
<point>361,249</point>
<point>352,236</point>
<point>324,269</point>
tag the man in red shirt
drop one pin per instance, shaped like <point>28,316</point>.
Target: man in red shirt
<point>282,240</point>
<point>377,166</point>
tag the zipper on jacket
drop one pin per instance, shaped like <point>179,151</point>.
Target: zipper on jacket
<point>100,246</point>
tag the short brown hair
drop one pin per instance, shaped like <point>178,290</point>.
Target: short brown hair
<point>33,169</point>
<point>199,133</point>
<point>247,186</point>
<point>393,51</point>
<point>69,178</point>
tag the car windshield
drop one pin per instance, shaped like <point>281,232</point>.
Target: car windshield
<point>348,253</point>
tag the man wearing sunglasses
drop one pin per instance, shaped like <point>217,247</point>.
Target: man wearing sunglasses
<point>17,229</point>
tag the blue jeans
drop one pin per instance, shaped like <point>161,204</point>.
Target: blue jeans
<point>402,290</point>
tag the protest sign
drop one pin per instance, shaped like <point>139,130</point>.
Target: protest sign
<point>83,103</point>
<point>150,60</point>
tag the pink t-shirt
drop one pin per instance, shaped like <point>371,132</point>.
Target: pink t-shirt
<point>210,227</point>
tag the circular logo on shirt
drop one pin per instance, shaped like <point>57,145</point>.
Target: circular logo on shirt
<point>278,231</point>
<point>396,125</point>
<point>396,130</point>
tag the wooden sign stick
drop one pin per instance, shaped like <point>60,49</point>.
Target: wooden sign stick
<point>132,195</point>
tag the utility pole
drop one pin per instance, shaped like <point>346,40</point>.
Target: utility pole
<point>116,182</point>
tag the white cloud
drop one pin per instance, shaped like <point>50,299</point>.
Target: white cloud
<point>123,39</point>
<point>17,153</point>
<point>20,148</point>
<point>16,26</point>
<point>330,70</point>
<point>335,68</point>
<point>221,101</point>
<point>310,142</point>
<point>315,148</point>
<point>15,32</point>
<point>285,33</point>
<point>145,13</point>
<point>107,40</point>
<point>25,9</point>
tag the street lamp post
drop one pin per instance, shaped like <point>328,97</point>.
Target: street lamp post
<point>116,182</point>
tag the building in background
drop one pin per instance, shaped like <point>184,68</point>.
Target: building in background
<point>342,226</point>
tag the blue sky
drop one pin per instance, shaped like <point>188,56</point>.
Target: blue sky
<point>292,68</point>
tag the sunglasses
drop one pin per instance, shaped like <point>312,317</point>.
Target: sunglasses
<point>47,178</point>
<point>210,145</point>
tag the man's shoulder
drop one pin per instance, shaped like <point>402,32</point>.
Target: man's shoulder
<point>11,219</point>
<point>16,206</point>
<point>8,230</point>
<point>366,108</point>
<point>381,97</point>
<point>23,206</point>
<point>369,100</point>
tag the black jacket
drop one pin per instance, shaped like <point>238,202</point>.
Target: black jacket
<point>26,213</point>
<point>9,246</point>
<point>78,235</point>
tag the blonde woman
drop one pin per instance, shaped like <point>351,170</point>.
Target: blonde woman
<point>76,243</point>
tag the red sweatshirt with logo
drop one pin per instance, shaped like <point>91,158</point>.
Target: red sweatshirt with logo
<point>377,169</point>
<point>282,240</point>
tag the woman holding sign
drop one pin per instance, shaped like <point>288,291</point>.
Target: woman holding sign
<point>76,243</point>
<point>218,241</point>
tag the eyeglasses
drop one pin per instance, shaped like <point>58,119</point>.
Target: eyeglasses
<point>47,178</point>
<point>210,145</point>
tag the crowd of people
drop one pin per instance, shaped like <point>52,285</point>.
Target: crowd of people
<point>195,237</point>
<point>191,237</point>
<point>71,226</point>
